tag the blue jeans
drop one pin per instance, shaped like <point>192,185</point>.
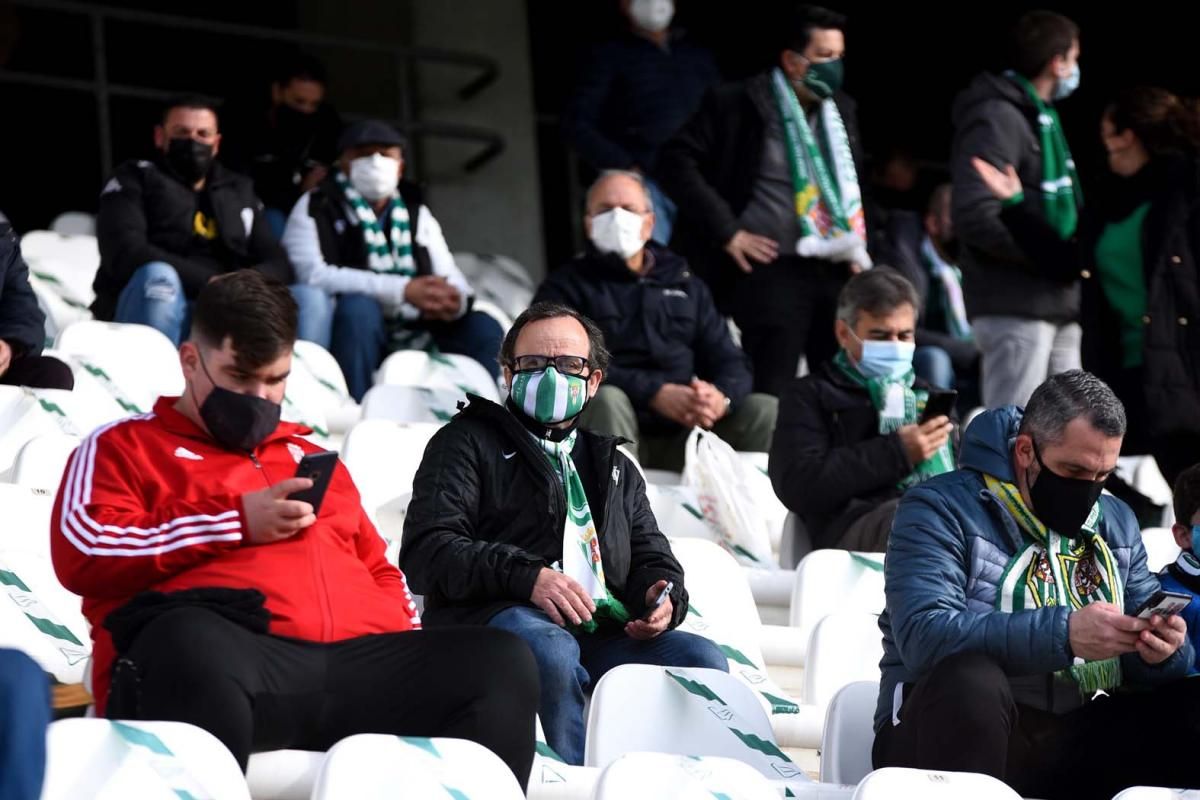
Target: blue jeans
<point>360,338</point>
<point>276,220</point>
<point>154,296</point>
<point>315,314</point>
<point>568,664</point>
<point>664,213</point>
<point>24,715</point>
<point>933,365</point>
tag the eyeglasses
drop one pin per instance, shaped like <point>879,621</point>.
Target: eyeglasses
<point>567,365</point>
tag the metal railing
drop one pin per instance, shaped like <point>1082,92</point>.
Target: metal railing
<point>484,72</point>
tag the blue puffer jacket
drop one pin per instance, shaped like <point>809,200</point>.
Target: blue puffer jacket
<point>949,545</point>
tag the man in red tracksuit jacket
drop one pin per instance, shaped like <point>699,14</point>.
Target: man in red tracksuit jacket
<point>216,600</point>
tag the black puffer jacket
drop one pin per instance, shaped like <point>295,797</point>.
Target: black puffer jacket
<point>488,512</point>
<point>21,320</point>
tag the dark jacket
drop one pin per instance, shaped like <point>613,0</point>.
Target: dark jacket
<point>901,249</point>
<point>22,323</point>
<point>147,215</point>
<point>481,527</point>
<point>995,120</point>
<point>633,96</point>
<point>828,462</point>
<point>1171,264</point>
<point>661,327</point>
<point>709,169</point>
<point>949,545</point>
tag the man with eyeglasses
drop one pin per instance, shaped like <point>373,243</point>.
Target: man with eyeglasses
<point>523,521</point>
<point>1013,642</point>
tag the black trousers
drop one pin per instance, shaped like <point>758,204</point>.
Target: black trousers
<point>787,309</point>
<point>39,372</point>
<point>258,692</point>
<point>962,717</point>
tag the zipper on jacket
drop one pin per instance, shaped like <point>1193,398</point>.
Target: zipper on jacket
<point>258,466</point>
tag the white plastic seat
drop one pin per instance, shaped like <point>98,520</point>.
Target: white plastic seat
<point>845,647</point>
<point>675,777</point>
<point>411,404</point>
<point>443,370</point>
<point>849,734</point>
<point>795,541</point>
<point>499,280</point>
<point>835,580</point>
<point>283,774</point>
<point>41,460</point>
<point>140,362</point>
<point>68,261</point>
<point>897,782</point>
<point>370,766</point>
<point>1161,548</point>
<point>677,510</point>
<point>317,382</point>
<point>111,760</point>
<point>1157,793</point>
<point>37,615</point>
<point>74,223</point>
<point>698,712</point>
<point>28,413</point>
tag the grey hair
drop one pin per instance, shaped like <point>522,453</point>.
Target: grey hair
<point>624,173</point>
<point>598,355</point>
<point>1074,394</point>
<point>877,291</point>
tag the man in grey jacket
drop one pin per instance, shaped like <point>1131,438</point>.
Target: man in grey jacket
<point>1012,641</point>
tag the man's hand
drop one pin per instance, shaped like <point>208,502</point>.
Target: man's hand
<point>745,246</point>
<point>658,622</point>
<point>561,598</point>
<point>1099,631</point>
<point>434,296</point>
<point>1003,185</point>
<point>1165,636</point>
<point>711,404</point>
<point>922,441</point>
<point>676,402</point>
<point>5,356</point>
<point>271,517</point>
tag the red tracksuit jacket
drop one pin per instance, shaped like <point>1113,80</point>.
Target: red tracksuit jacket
<point>153,503</point>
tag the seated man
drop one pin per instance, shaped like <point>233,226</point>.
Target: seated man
<point>1184,574</point>
<point>924,251</point>
<point>674,363</point>
<point>169,226</point>
<point>217,600</point>
<point>1010,645</point>
<point>559,545</point>
<point>848,441</point>
<point>368,238</point>
<point>24,715</point>
<point>22,325</point>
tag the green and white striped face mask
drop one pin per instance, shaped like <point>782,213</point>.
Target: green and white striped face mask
<point>548,396</point>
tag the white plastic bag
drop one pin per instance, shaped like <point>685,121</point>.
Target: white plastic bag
<point>718,475</point>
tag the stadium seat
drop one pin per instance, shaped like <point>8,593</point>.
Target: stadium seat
<point>283,774</point>
<point>440,370</point>
<point>378,767</point>
<point>41,460</point>
<point>136,362</point>
<point>74,223</point>
<point>795,542</point>
<point>835,580</point>
<point>411,404</point>
<point>317,382</point>
<point>677,511</point>
<point>1161,548</point>
<point>1157,793</point>
<point>111,759</point>
<point>28,413</point>
<point>499,280</point>
<point>845,647</point>
<point>895,782</point>
<point>659,775</point>
<point>698,712</point>
<point>849,734</point>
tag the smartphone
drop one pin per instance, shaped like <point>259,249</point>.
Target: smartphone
<point>662,598</point>
<point>940,404</point>
<point>317,467</point>
<point>1163,603</point>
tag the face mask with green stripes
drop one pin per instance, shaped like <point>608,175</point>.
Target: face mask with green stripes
<point>548,396</point>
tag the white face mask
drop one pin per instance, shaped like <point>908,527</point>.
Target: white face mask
<point>618,231</point>
<point>652,15</point>
<point>375,176</point>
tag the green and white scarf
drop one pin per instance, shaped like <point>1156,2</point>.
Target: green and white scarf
<point>950,293</point>
<point>828,202</point>
<point>898,405</point>
<point>1056,570</point>
<point>395,258</point>
<point>1060,183</point>
<point>581,544</point>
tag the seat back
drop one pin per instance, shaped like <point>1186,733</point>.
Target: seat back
<point>893,782</point>
<point>849,733</point>
<point>411,404</point>
<point>440,370</point>
<point>845,647</point>
<point>835,580</point>
<point>284,774</point>
<point>675,777</point>
<point>132,360</point>
<point>111,759</point>
<point>41,460</point>
<point>317,382</point>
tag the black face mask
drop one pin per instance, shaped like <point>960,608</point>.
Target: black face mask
<point>189,159</point>
<point>237,421</point>
<point>1062,504</point>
